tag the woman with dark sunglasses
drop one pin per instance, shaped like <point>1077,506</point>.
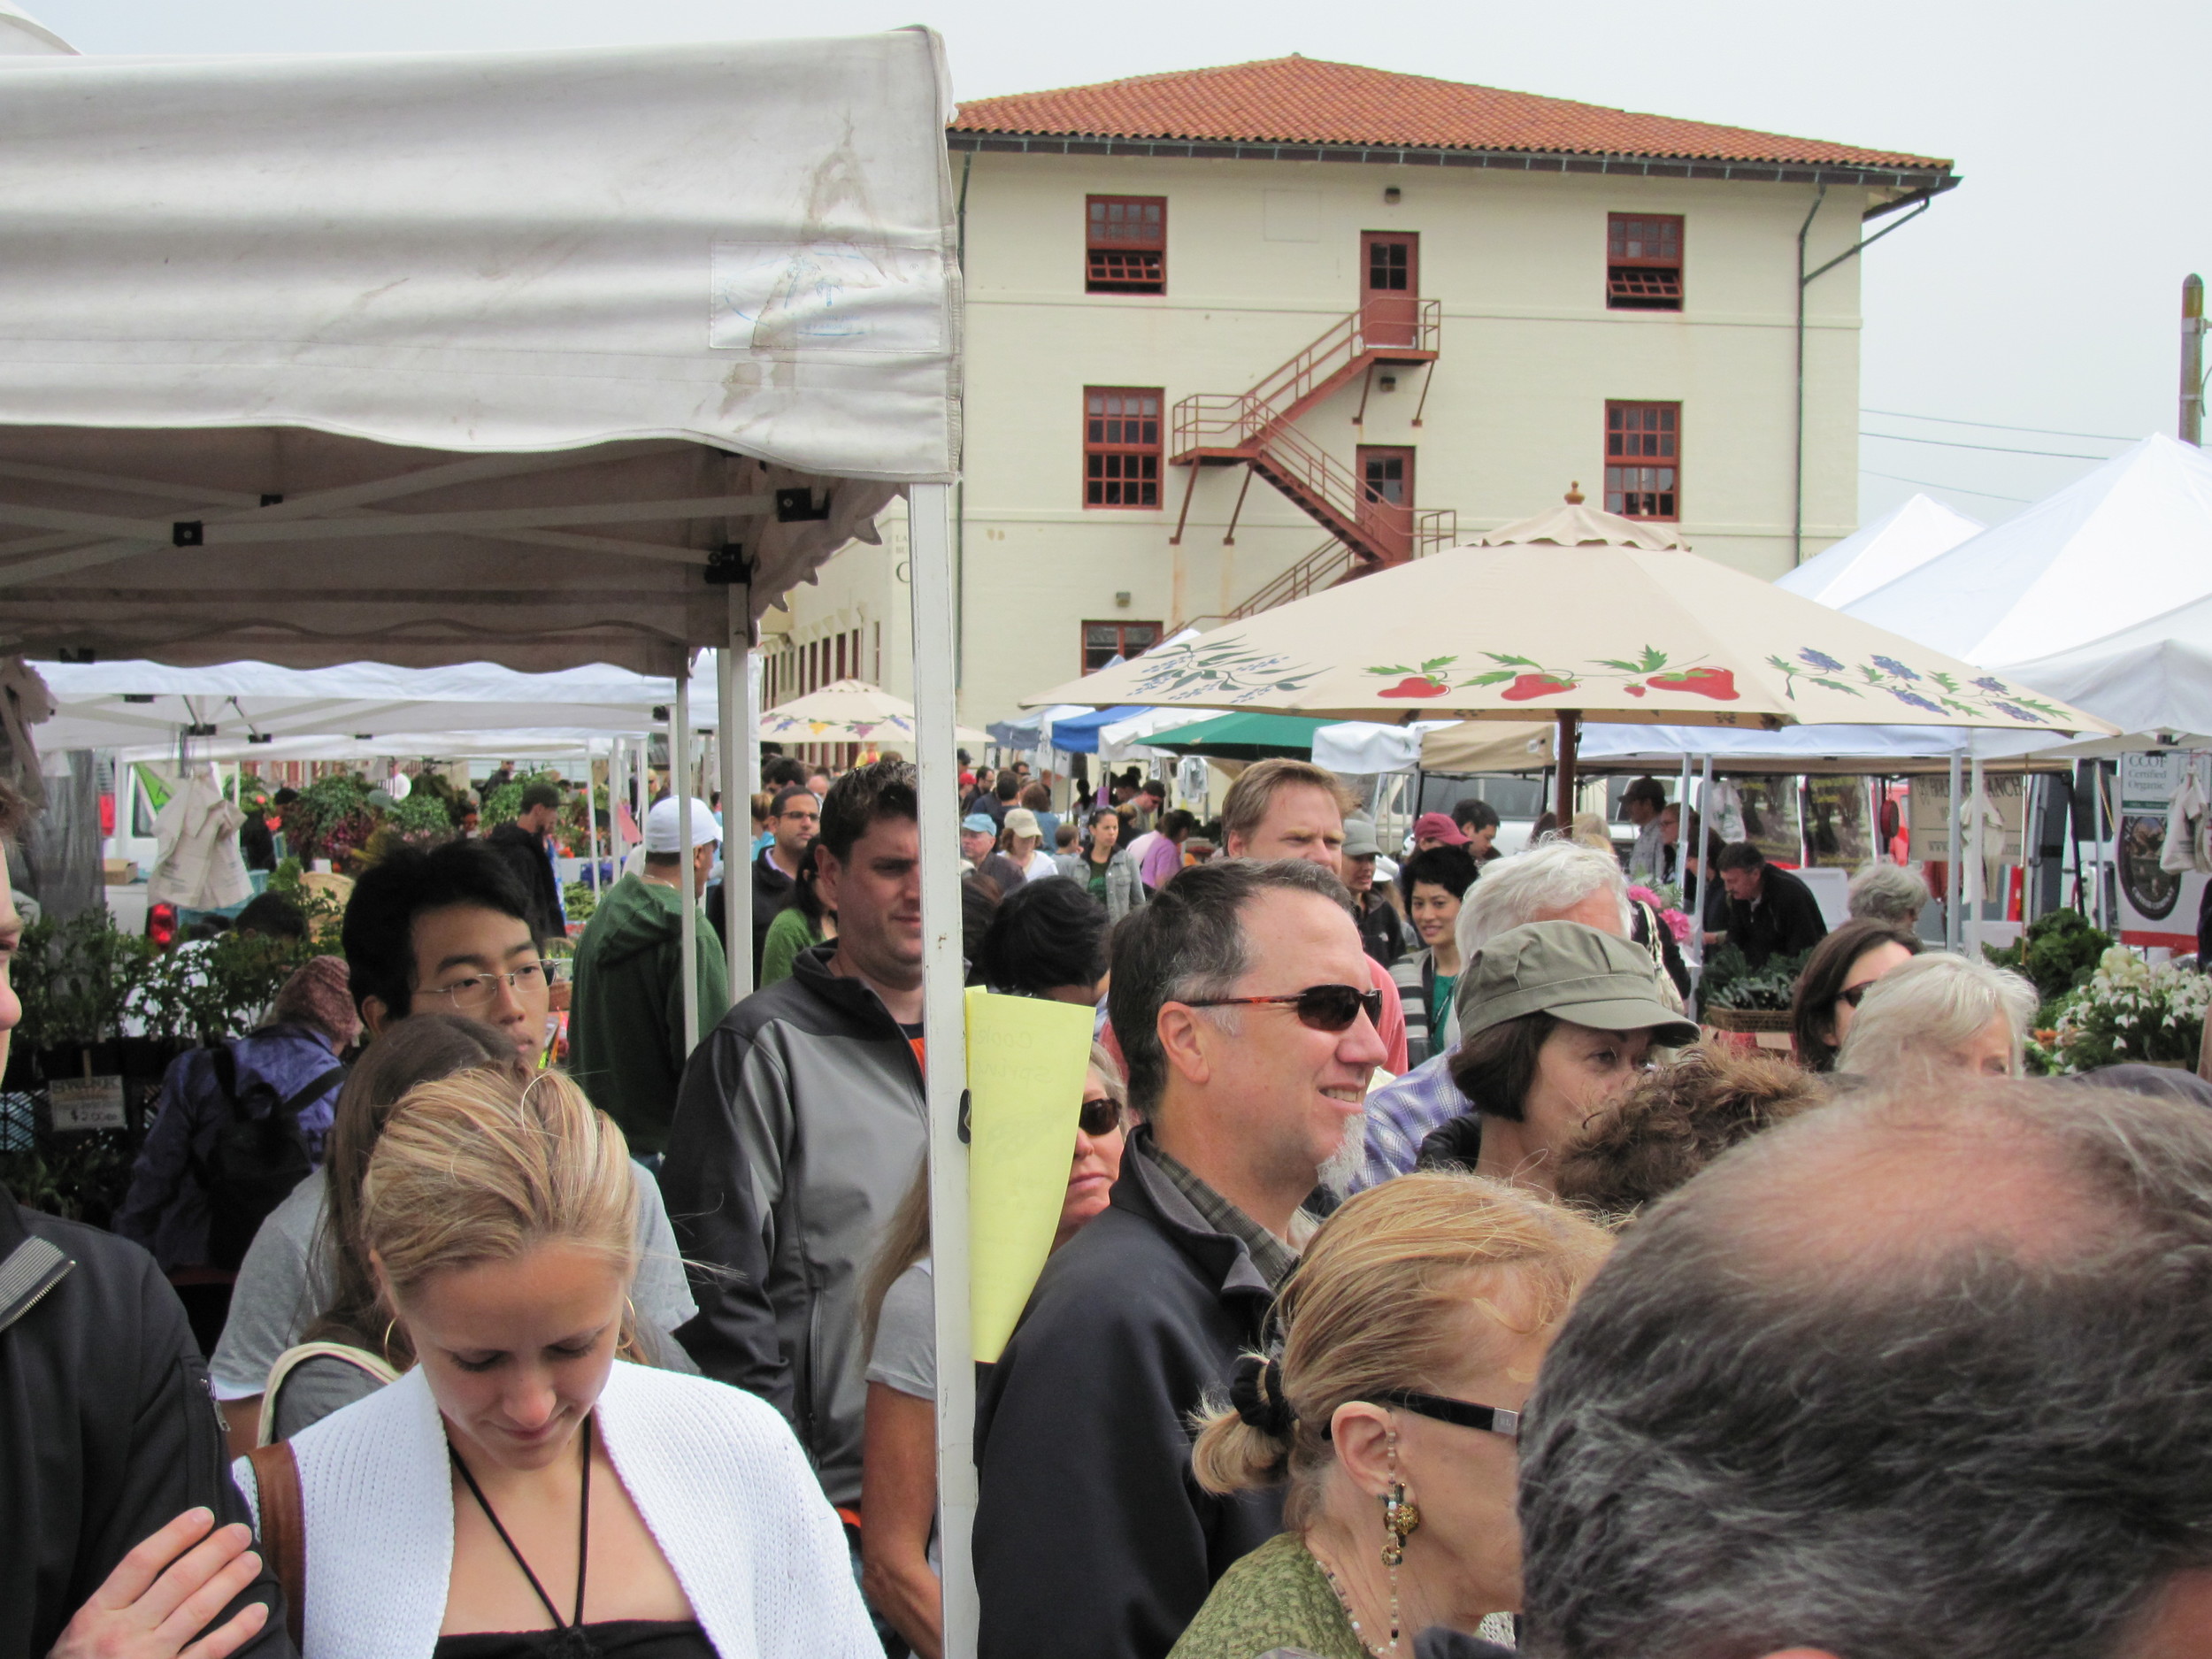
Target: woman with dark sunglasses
<point>898,1471</point>
<point>1836,977</point>
<point>1411,1331</point>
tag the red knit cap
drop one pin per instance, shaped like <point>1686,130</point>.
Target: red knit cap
<point>317,995</point>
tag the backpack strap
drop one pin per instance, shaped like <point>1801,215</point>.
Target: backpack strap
<point>312,1090</point>
<point>360,1358</point>
<point>276,1476</point>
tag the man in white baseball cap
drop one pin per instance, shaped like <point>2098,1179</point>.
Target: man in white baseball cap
<point>626,1013</point>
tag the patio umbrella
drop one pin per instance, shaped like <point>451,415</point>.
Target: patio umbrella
<point>1552,621</point>
<point>849,711</point>
<point>1240,736</point>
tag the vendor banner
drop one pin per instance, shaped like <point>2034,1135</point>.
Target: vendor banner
<point>1838,835</point>
<point>2004,818</point>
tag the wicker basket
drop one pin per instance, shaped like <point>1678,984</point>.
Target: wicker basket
<point>1755,1019</point>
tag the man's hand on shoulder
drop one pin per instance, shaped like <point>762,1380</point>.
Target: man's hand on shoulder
<point>165,1592</point>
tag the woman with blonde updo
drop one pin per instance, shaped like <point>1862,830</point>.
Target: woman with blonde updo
<point>1412,1329</point>
<point>525,1490</point>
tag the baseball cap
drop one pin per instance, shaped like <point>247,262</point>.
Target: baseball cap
<point>1571,972</point>
<point>1021,821</point>
<point>980,823</point>
<point>1439,826</point>
<point>1359,838</point>
<point>660,825</point>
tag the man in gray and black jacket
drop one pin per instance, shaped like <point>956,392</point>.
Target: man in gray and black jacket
<point>799,1127</point>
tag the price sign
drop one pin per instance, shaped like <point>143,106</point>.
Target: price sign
<point>87,1102</point>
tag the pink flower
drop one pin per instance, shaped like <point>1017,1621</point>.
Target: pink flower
<point>1677,924</point>
<point>1644,896</point>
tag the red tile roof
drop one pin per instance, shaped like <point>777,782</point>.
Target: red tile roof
<point>1311,101</point>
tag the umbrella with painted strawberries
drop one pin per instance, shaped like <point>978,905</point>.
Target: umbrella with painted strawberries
<point>1571,627</point>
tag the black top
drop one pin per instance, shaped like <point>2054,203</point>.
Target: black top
<point>1784,920</point>
<point>629,1637</point>
<point>108,1429</point>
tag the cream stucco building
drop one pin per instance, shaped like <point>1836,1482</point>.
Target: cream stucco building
<point>1498,294</point>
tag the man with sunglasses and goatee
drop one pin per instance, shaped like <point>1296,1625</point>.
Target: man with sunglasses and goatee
<point>1243,1007</point>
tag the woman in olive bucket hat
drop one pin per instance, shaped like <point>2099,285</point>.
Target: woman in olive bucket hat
<point>1555,1020</point>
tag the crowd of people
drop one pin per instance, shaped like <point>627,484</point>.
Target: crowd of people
<point>1424,1287</point>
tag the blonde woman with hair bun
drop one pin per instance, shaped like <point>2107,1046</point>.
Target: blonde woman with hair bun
<point>525,1490</point>
<point>1412,1330</point>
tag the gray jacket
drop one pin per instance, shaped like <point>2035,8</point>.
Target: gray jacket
<point>799,1127</point>
<point>1123,890</point>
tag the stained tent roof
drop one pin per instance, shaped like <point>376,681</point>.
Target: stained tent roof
<point>1311,101</point>
<point>436,357</point>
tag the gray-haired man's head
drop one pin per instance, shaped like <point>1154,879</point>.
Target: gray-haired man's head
<point>1905,1376</point>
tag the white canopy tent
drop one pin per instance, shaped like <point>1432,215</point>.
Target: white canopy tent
<point>1898,542</point>
<point>542,359</point>
<point>2100,595</point>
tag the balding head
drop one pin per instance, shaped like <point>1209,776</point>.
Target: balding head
<point>1899,1376</point>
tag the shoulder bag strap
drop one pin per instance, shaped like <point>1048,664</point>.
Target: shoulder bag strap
<point>360,1358</point>
<point>276,1475</point>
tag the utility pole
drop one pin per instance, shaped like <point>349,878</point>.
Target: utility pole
<point>2193,360</point>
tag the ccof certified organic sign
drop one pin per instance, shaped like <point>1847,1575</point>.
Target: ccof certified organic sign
<point>87,1102</point>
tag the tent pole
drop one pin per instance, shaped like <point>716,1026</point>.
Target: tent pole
<point>1682,827</point>
<point>686,880</point>
<point>1975,880</point>
<point>2096,867</point>
<point>1563,748</point>
<point>734,660</point>
<point>930,546</point>
<point>1706,876</point>
<point>591,829</point>
<point>1952,871</point>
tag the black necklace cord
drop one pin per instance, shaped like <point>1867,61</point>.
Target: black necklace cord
<point>583,1534</point>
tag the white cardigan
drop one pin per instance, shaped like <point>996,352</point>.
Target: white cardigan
<point>721,1482</point>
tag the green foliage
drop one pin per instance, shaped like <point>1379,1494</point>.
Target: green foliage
<point>318,904</point>
<point>76,980</point>
<point>330,818</point>
<point>206,992</point>
<point>77,1177</point>
<point>2059,952</point>
<point>2127,1010</point>
<point>580,901</point>
<point>421,815</point>
<point>1730,981</point>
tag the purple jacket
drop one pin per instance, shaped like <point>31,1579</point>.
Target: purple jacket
<point>166,1209</point>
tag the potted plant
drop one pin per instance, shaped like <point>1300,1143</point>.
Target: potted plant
<point>2128,1010</point>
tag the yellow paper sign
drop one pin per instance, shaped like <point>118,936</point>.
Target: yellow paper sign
<point>1025,1062</point>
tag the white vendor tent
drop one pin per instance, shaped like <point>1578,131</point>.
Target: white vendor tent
<point>2100,595</point>
<point>1898,542</point>
<point>23,34</point>
<point>258,709</point>
<point>536,358</point>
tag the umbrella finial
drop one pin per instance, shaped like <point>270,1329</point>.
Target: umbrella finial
<point>1574,493</point>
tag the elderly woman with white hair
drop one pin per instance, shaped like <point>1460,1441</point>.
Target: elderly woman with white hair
<point>1895,893</point>
<point>1939,1016</point>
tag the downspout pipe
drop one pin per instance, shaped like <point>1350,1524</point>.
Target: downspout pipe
<point>1925,198</point>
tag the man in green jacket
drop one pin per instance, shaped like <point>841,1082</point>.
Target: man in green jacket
<point>626,1013</point>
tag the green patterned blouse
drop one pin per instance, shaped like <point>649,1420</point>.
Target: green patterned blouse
<point>1275,1597</point>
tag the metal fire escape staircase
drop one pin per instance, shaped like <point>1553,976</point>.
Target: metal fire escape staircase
<point>1258,430</point>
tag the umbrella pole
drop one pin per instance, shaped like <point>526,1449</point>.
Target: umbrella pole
<point>1563,748</point>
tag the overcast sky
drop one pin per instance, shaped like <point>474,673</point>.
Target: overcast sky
<point>2043,293</point>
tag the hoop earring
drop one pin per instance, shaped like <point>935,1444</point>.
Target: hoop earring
<point>389,1326</point>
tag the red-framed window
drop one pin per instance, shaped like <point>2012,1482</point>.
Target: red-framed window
<point>1125,244</point>
<point>1103,642</point>
<point>1643,262</point>
<point>1643,460</point>
<point>1121,446</point>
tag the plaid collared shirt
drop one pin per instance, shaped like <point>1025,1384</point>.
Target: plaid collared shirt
<point>1400,1113</point>
<point>1272,1258</point>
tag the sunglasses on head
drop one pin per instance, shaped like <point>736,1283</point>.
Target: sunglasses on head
<point>1321,1007</point>
<point>1101,1117</point>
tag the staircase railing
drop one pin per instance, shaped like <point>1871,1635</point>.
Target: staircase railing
<point>1333,488</point>
<point>1232,420</point>
<point>1434,528</point>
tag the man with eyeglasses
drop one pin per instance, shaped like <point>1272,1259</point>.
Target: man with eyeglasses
<point>1242,1002</point>
<point>791,823</point>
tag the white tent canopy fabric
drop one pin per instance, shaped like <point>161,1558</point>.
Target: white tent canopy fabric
<point>1893,545</point>
<point>106,705</point>
<point>2100,595</point>
<point>22,34</point>
<point>503,356</point>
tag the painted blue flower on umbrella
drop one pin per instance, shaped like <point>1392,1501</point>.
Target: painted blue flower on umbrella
<point>1994,686</point>
<point>2017,712</point>
<point>1821,660</point>
<point>1891,666</point>
<point>1912,697</point>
